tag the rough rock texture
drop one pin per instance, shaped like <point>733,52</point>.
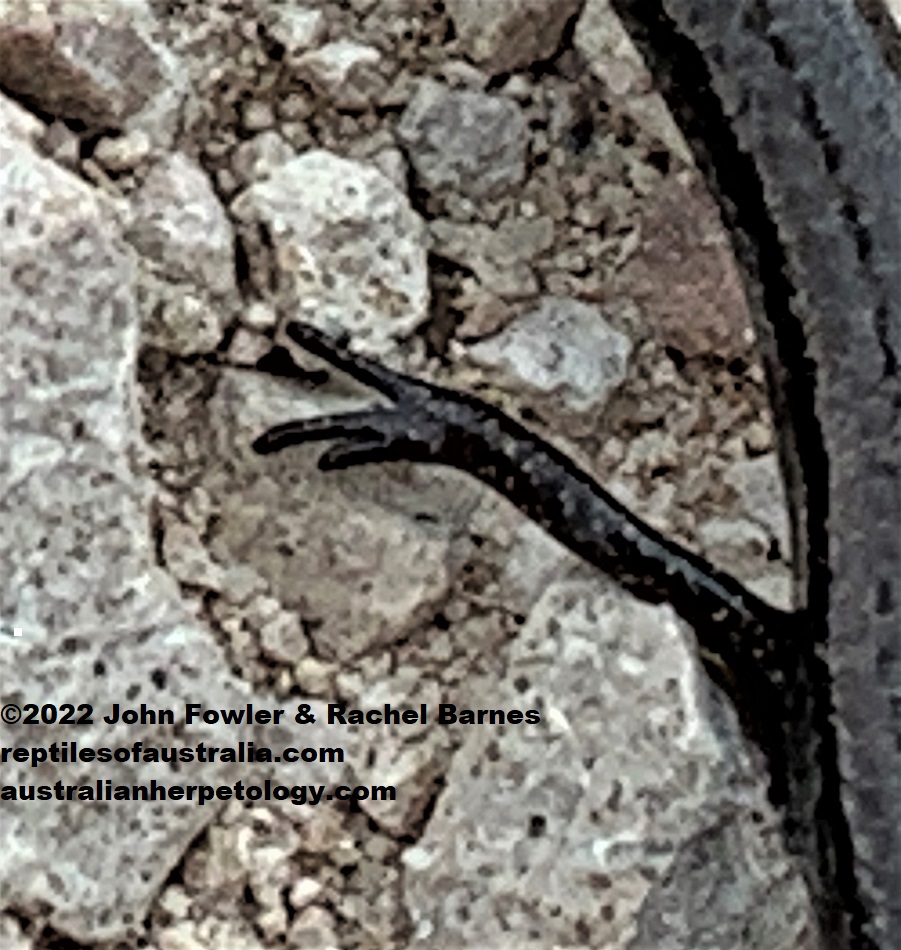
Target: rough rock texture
<point>387,568</point>
<point>100,622</point>
<point>538,236</point>
<point>181,225</point>
<point>505,35</point>
<point>344,71</point>
<point>612,57</point>
<point>467,140</point>
<point>349,249</point>
<point>186,248</point>
<point>694,300</point>
<point>500,257</point>
<point>99,65</point>
<point>631,778</point>
<point>297,28</point>
<point>563,347</point>
<point>11,935</point>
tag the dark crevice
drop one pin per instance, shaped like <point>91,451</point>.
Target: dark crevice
<point>444,275</point>
<point>242,268</point>
<point>890,358</point>
<point>48,118</point>
<point>88,143</point>
<point>228,335</point>
<point>425,816</point>
<point>545,67</point>
<point>808,788</point>
<point>273,48</point>
<point>51,940</point>
<point>580,135</point>
<point>157,534</point>
<point>498,81</point>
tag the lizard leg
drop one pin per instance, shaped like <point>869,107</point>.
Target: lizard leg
<point>753,643</point>
<point>416,428</point>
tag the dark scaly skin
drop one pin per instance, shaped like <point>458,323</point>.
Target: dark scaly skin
<point>793,111</point>
<point>431,424</point>
<point>748,645</point>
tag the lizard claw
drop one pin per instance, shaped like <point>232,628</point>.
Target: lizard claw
<point>350,425</point>
<point>412,429</point>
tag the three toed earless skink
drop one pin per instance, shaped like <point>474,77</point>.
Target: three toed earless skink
<point>791,109</point>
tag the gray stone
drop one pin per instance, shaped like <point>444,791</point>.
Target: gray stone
<point>611,55</point>
<point>469,141</point>
<point>314,927</point>
<point>257,116</point>
<point>344,72</point>
<point>297,28</point>
<point>187,255</point>
<point>99,63</point>
<point>179,321</point>
<point>761,489</point>
<point>506,35</point>
<point>706,899</point>
<point>349,249</point>
<point>589,819</point>
<point>101,623</point>
<point>16,122</point>
<point>210,933</point>
<point>181,226</point>
<point>282,638</point>
<point>258,157</point>
<point>185,557</point>
<point>563,346</point>
<point>11,935</point>
<point>247,347</point>
<point>534,561</point>
<point>125,152</point>
<point>260,316</point>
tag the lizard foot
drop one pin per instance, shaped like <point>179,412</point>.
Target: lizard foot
<point>418,427</point>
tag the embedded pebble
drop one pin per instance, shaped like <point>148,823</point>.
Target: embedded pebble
<point>125,152</point>
<point>469,141</point>
<point>103,68</point>
<point>344,71</point>
<point>182,227</point>
<point>506,35</point>
<point>563,346</point>
<point>349,248</point>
